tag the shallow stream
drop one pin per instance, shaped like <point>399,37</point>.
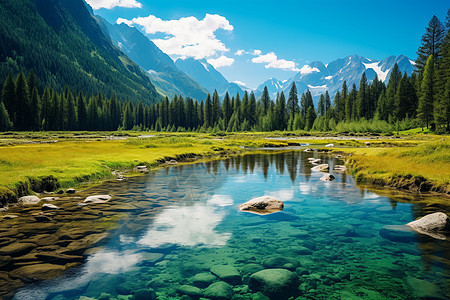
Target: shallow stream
<point>331,235</point>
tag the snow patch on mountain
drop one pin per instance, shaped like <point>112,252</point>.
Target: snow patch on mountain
<point>375,66</point>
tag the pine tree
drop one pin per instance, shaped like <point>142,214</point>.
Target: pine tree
<point>281,112</point>
<point>350,103</point>
<point>292,103</point>
<point>21,106</point>
<point>208,112</point>
<point>82,112</point>
<point>306,102</point>
<point>227,111</point>
<point>310,118</point>
<point>245,106</point>
<point>265,100</point>
<point>430,44</point>
<point>426,99</point>
<point>252,110</point>
<point>361,98</point>
<point>8,96</point>
<point>321,105</point>
<point>72,120</point>
<point>327,102</point>
<point>5,122</point>
<point>35,111</point>
<point>216,110</point>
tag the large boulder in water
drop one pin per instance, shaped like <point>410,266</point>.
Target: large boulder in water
<point>275,283</point>
<point>432,225</point>
<point>29,200</point>
<point>227,273</point>
<point>219,291</point>
<point>262,205</point>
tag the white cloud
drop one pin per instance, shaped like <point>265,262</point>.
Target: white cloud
<point>186,36</point>
<point>222,61</point>
<point>306,69</point>
<point>108,4</point>
<point>239,52</point>
<point>271,60</point>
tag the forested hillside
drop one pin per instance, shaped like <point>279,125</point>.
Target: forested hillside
<point>64,46</point>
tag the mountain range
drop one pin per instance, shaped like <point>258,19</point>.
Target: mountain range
<point>319,78</point>
<point>65,46</point>
<point>65,43</point>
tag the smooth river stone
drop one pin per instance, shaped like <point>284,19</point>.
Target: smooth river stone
<point>219,291</point>
<point>38,271</point>
<point>16,249</point>
<point>227,273</point>
<point>202,280</point>
<point>275,283</point>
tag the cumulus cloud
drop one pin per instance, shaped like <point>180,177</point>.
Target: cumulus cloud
<point>188,36</point>
<point>239,52</point>
<point>306,69</point>
<point>271,60</point>
<point>108,4</point>
<point>222,61</point>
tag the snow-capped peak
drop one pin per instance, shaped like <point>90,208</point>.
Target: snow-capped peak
<point>375,66</point>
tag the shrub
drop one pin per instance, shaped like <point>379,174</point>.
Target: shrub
<point>44,183</point>
<point>6,196</point>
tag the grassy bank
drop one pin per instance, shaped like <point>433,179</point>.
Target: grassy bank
<point>423,167</point>
<point>52,160</point>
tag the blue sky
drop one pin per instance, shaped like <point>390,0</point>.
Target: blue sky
<point>285,34</point>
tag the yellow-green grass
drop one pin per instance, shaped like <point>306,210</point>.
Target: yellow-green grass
<point>72,161</point>
<point>429,161</point>
<point>79,157</point>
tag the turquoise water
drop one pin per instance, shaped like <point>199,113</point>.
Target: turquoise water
<point>330,235</point>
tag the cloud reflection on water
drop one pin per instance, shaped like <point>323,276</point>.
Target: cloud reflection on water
<point>189,225</point>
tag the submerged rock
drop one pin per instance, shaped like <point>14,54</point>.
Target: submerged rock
<point>48,206</point>
<point>219,291</point>
<point>203,280</point>
<point>398,233</point>
<point>145,294</point>
<point>321,168</point>
<point>281,262</point>
<point>327,177</point>
<point>432,225</point>
<point>190,291</point>
<point>262,205</point>
<point>227,273</point>
<point>97,199</point>
<point>423,289</point>
<point>29,200</point>
<point>275,283</point>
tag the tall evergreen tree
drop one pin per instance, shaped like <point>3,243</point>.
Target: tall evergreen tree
<point>306,102</point>
<point>327,102</point>
<point>265,100</point>
<point>227,110</point>
<point>292,103</point>
<point>321,105</point>
<point>362,108</point>
<point>9,95</point>
<point>208,112</point>
<point>216,109</point>
<point>252,110</point>
<point>350,103</point>
<point>281,112</point>
<point>426,98</point>
<point>5,122</point>
<point>21,105</point>
<point>35,111</point>
<point>430,43</point>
